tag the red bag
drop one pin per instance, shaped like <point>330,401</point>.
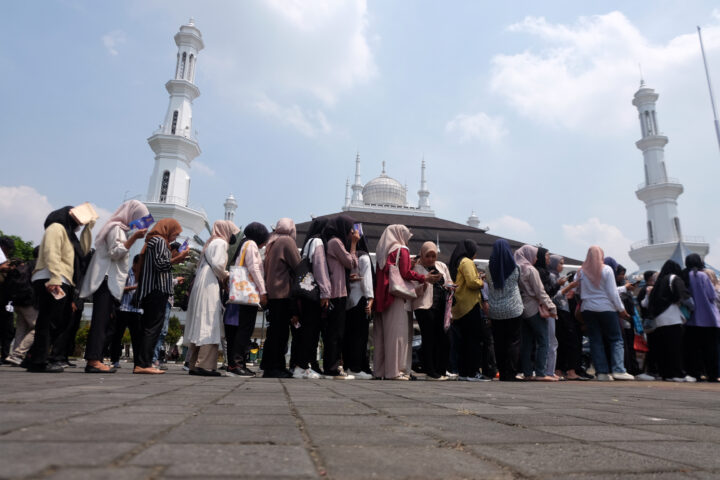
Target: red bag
<point>640,344</point>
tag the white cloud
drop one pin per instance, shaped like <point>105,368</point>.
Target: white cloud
<point>572,80</point>
<point>203,169</point>
<point>479,126</point>
<point>22,212</point>
<point>609,237</point>
<point>511,227</point>
<point>112,40</point>
<point>309,123</point>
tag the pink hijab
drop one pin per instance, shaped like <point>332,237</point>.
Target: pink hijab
<point>525,257</point>
<point>394,236</point>
<point>126,213</point>
<point>593,264</point>
<point>223,229</point>
<point>284,226</point>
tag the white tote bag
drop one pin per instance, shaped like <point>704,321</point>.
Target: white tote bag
<point>241,289</point>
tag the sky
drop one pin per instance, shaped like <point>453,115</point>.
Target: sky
<point>522,110</point>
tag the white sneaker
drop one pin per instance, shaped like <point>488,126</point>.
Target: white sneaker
<point>644,377</point>
<point>685,379</point>
<point>451,376</point>
<point>604,377</point>
<point>300,373</point>
<point>623,376</point>
<point>479,377</point>
<point>312,374</point>
<point>341,375</point>
<point>360,375</point>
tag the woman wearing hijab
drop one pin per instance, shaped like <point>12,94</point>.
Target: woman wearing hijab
<point>429,310</point>
<point>701,330</point>
<point>549,268</point>
<point>466,310</point>
<point>338,233</point>
<point>534,325</point>
<point>240,319</point>
<point>57,272</point>
<point>281,258</point>
<point>505,308</point>
<point>203,325</point>
<point>601,306</point>
<point>391,327</point>
<point>358,313</point>
<point>305,338</point>
<point>155,287</point>
<point>567,354</point>
<point>106,276</point>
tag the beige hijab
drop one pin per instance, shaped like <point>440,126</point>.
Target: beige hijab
<point>126,213</point>
<point>394,236</point>
<point>223,229</point>
<point>525,257</point>
<point>592,267</point>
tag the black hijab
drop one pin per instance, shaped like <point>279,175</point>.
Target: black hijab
<point>255,231</point>
<point>339,227</point>
<point>63,217</point>
<point>663,295</point>
<point>315,230</point>
<point>693,263</point>
<point>540,263</point>
<point>464,249</point>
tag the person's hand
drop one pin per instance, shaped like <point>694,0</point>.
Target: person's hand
<point>354,237</point>
<point>486,307</point>
<point>180,280</point>
<point>53,289</point>
<point>263,299</point>
<point>5,267</point>
<point>625,315</point>
<point>324,303</point>
<point>433,277</point>
<point>295,320</point>
<point>73,307</point>
<point>139,233</point>
<point>562,281</point>
<point>354,277</point>
<point>368,307</point>
<point>183,255</point>
<point>649,289</point>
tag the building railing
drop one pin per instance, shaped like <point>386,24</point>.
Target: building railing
<point>685,238</point>
<point>174,201</point>
<point>664,181</point>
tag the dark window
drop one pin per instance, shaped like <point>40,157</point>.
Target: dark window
<point>164,186</point>
<point>174,122</point>
<point>651,239</point>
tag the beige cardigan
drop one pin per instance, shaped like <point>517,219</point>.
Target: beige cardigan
<point>57,253</point>
<point>425,295</point>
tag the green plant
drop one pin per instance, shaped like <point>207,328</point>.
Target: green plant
<point>175,331</point>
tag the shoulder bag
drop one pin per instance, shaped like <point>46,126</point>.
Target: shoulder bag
<point>398,286</point>
<point>241,288</point>
<point>304,285</point>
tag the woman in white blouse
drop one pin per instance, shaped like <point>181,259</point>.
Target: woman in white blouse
<point>203,327</point>
<point>106,276</point>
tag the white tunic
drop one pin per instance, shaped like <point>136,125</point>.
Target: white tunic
<point>203,324</point>
<point>111,260</point>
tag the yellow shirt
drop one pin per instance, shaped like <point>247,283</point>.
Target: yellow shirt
<point>469,288</point>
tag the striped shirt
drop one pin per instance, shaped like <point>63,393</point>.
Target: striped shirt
<point>156,270</point>
<point>126,303</point>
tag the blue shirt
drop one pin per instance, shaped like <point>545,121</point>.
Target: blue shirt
<point>126,303</point>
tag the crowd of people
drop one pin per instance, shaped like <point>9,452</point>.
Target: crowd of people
<point>520,320</point>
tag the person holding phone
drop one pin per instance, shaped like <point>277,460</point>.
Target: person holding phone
<point>106,277</point>
<point>57,273</point>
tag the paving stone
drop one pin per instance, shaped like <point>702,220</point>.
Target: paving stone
<point>537,419</point>
<point>602,433</point>
<point>559,458</point>
<point>257,461</point>
<point>240,417</point>
<point>369,436</point>
<point>286,435</point>
<point>407,463</point>
<point>116,473</point>
<point>698,454</point>
<point>18,459</point>
<point>131,418</point>
<point>348,420</point>
<point>81,432</point>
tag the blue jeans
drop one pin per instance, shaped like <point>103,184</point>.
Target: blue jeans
<point>534,334</point>
<point>161,339</point>
<point>604,327</point>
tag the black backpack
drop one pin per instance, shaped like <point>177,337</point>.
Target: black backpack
<point>18,284</point>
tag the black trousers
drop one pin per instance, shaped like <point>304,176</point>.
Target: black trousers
<point>651,362</point>
<point>7,329</point>
<point>669,346</point>
<point>238,337</point>
<point>123,321</point>
<point>357,330</point>
<point>278,333</point>
<point>103,317</point>
<point>701,352</point>
<point>153,317</point>
<point>469,338</point>
<point>303,348</point>
<point>333,333</point>
<point>507,334</point>
<point>569,349</point>
<point>631,363</point>
<point>488,363</point>
<point>53,319</point>
<point>435,349</point>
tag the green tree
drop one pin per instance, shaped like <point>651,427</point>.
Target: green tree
<point>23,249</point>
<point>186,270</point>
<point>175,331</point>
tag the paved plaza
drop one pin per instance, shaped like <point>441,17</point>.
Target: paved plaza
<point>123,426</point>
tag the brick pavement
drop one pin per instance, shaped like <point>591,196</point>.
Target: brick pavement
<point>79,426</point>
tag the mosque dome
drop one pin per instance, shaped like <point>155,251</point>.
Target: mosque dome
<point>384,190</point>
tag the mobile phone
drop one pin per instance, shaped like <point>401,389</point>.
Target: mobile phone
<point>184,246</point>
<point>58,295</point>
<point>359,228</point>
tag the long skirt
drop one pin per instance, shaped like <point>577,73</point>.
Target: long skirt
<point>391,337</point>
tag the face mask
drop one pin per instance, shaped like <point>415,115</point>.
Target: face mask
<point>233,239</point>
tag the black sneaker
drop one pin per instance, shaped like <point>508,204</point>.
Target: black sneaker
<point>207,373</point>
<point>46,368</point>
<point>240,372</point>
<point>277,374</point>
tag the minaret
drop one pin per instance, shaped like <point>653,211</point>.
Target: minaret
<point>357,186</point>
<point>659,192</point>
<point>473,220</point>
<point>423,193</point>
<point>174,143</point>
<point>347,192</point>
<point>230,207</point>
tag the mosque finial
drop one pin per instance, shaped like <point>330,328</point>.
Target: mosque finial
<point>383,167</point>
<point>642,80</point>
